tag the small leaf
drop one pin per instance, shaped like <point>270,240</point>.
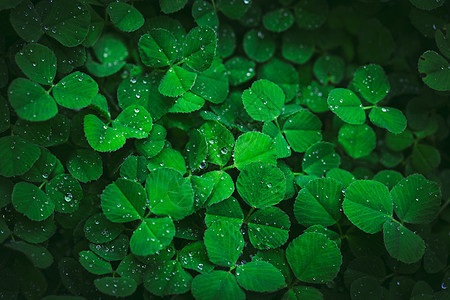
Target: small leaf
<point>311,15</point>
<point>193,256</point>
<point>329,68</point>
<point>134,122</point>
<point>347,106</point>
<point>261,184</point>
<point>116,286</point>
<point>368,205</point>
<point>85,165</point>
<point>220,142</point>
<point>124,16</point>
<point>434,70</point>
<point>65,192</point>
<point>259,45</point>
<point>176,82</point>
<point>223,187</point>
<point>278,20</point>
<point>38,255</point>
<point>158,48</point>
<point>240,70</point>
<point>224,243</point>
<point>268,228</point>
<point>26,20</point>
<point>169,278</point>
<point>259,276</point>
<point>371,82</point>
<point>297,48</point>
<point>228,210</point>
<point>357,140</point>
<point>98,229</point>
<point>94,264</point>
<point>320,158</point>
<point>314,258</point>
<point>302,129</point>
<point>402,243</point>
<point>390,118</point>
<point>171,6</point>
<point>264,100</point>
<point>101,137</point>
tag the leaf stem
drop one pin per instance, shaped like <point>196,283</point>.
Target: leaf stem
<point>42,184</point>
<point>249,214</point>
<point>368,107</point>
<point>229,167</point>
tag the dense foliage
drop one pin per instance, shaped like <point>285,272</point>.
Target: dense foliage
<point>224,149</point>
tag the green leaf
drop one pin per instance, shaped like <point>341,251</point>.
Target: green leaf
<point>196,150</point>
<point>259,276</point>
<point>303,292</point>
<point>240,70</point>
<point>366,288</point>
<point>268,228</point>
<point>215,76</point>
<point>254,146</point>
<point>171,6</point>
<point>4,115</point>
<point>101,137</point>
<point>427,4</point>
<point>168,278</point>
<point>202,188</point>
<point>116,286</point>
<point>38,255</point>
<point>228,211</point>
<point>38,63</point>
<point>233,9</point>
<point>399,142</point>
<point>76,90</point>
<point>314,258</point>
<point>223,187</point>
<point>98,229</point>
<point>65,192</point>
<point>282,74</point>
<point>261,184</point>
<point>153,235</point>
<point>169,194</point>
<point>124,16</point>
<point>30,101</point>
<point>281,146</point>
<point>416,199</point>
<point>124,201</point>
<point>186,103</point>
<point>217,285</point>
<point>67,21</point>
<point>319,202</point>
<point>226,40</point>
<point>131,267</point>
<point>94,264</point>
<point>297,48</point>
<point>42,168</point>
<point>389,178</point>
<point>334,236</point>
<point>34,232</point>
<point>259,45</point>
<point>220,142</point>
<point>278,20</point>
<point>436,255</point>
<point>193,256</point>
<point>375,42</point>
<point>168,158</point>
<point>345,177</point>
<point>264,100</point>
<point>368,205</point>
<point>347,106</point>
<point>387,117</point>
<point>320,158</point>
<point>434,70</point>
<point>31,201</point>
<point>314,96</point>
<point>85,165</point>
<point>302,129</point>
<point>26,21</point>
<point>371,82</point>
<point>176,82</point>
<point>224,243</point>
<point>442,41</point>
<point>134,122</point>
<point>199,48</point>
<point>403,244</point>
<point>18,156</point>
<point>329,68</point>
<point>357,140</point>
<point>110,49</point>
<point>204,14</point>
<point>425,158</point>
<point>115,250</point>
<point>158,48</point>
<point>154,143</point>
<point>311,14</point>
<point>5,233</point>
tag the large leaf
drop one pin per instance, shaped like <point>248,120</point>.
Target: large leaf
<point>76,90</point>
<point>38,63</point>
<point>319,202</point>
<point>217,285</point>
<point>200,48</point>
<point>158,48</point>
<point>254,146</point>
<point>124,201</point>
<point>220,142</point>
<point>124,16</point>
<point>416,199</point>
<point>261,184</point>
<point>18,156</point>
<point>268,228</point>
<point>368,205</point>
<point>371,82</point>
<point>302,129</point>
<point>65,192</point>
<point>314,258</point>
<point>224,243</point>
<point>153,235</point>
<point>259,276</point>
<point>169,194</point>
<point>264,100</point>
<point>134,121</point>
<point>402,243</point>
<point>32,201</point>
